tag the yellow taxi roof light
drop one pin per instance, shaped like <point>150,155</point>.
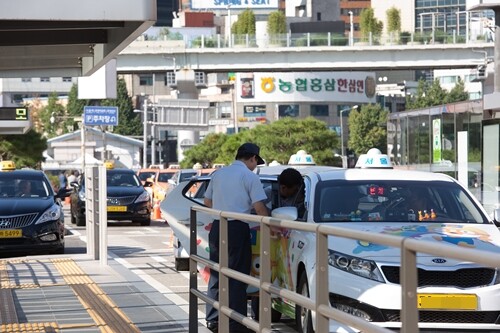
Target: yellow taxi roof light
<point>109,165</point>
<point>374,159</point>
<point>7,165</point>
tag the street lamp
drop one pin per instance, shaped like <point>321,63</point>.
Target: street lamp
<point>351,29</point>
<point>342,147</point>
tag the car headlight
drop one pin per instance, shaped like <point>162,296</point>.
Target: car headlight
<point>81,195</point>
<point>143,197</point>
<point>51,214</point>
<point>354,265</point>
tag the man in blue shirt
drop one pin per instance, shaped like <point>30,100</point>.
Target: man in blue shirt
<point>234,188</point>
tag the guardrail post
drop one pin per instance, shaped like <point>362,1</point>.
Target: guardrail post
<point>308,39</point>
<point>193,275</point>
<point>218,41</point>
<point>265,276</point>
<point>408,279</point>
<point>329,39</point>
<point>223,279</point>
<point>288,37</point>
<point>322,294</point>
<point>102,215</point>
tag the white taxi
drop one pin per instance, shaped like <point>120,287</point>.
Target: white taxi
<point>364,277</point>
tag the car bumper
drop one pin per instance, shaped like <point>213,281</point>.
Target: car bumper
<point>138,211</point>
<point>36,238</point>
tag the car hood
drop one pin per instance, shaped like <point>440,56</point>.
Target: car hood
<point>19,206</point>
<point>473,236</point>
<point>124,191</point>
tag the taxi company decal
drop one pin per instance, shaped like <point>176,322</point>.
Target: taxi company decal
<point>306,87</point>
<point>464,236</point>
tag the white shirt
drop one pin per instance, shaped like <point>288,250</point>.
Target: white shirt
<point>235,189</point>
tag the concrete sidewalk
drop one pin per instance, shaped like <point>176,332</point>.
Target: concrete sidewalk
<point>76,294</point>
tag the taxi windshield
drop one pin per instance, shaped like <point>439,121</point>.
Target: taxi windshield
<point>117,178</point>
<point>394,201</point>
<point>14,186</point>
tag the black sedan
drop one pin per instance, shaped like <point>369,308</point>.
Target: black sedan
<point>127,199</point>
<point>31,214</point>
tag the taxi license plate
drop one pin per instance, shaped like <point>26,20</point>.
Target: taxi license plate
<point>447,301</point>
<point>11,233</point>
<point>117,208</point>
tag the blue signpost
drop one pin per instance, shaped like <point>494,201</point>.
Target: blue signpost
<point>100,116</point>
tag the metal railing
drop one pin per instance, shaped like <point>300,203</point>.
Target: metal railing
<point>320,304</point>
<point>321,39</point>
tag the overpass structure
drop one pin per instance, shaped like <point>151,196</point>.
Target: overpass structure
<point>150,56</point>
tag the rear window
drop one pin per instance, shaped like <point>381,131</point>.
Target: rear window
<point>146,174</point>
<point>394,201</point>
<point>163,177</point>
<point>186,176</point>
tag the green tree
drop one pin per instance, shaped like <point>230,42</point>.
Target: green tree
<point>75,106</point>
<point>393,21</point>
<point>56,110</point>
<point>245,23</point>
<point>367,129</point>
<point>278,141</point>
<point>25,150</point>
<point>205,153</point>
<point>457,93</point>
<point>129,123</point>
<point>369,23</point>
<point>276,26</point>
<point>432,95</point>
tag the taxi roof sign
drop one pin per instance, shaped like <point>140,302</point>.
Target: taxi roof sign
<point>374,159</point>
<point>301,158</point>
<point>109,165</point>
<point>7,166</point>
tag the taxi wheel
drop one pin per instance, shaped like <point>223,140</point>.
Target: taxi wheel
<point>145,222</point>
<point>303,316</point>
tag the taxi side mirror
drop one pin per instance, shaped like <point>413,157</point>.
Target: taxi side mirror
<point>148,183</point>
<point>172,182</point>
<point>285,213</point>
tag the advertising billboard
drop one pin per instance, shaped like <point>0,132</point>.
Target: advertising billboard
<point>234,4</point>
<point>351,87</point>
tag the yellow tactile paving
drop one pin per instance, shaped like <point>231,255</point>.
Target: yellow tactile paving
<point>106,315</point>
<point>30,327</point>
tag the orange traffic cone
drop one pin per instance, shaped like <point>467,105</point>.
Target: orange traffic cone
<point>156,211</point>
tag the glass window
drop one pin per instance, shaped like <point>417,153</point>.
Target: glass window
<point>319,110</point>
<point>26,79</point>
<point>146,80</point>
<point>401,201</point>
<point>45,79</point>
<point>288,110</point>
<point>67,79</point>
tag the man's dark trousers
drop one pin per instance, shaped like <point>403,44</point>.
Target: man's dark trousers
<point>240,258</point>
